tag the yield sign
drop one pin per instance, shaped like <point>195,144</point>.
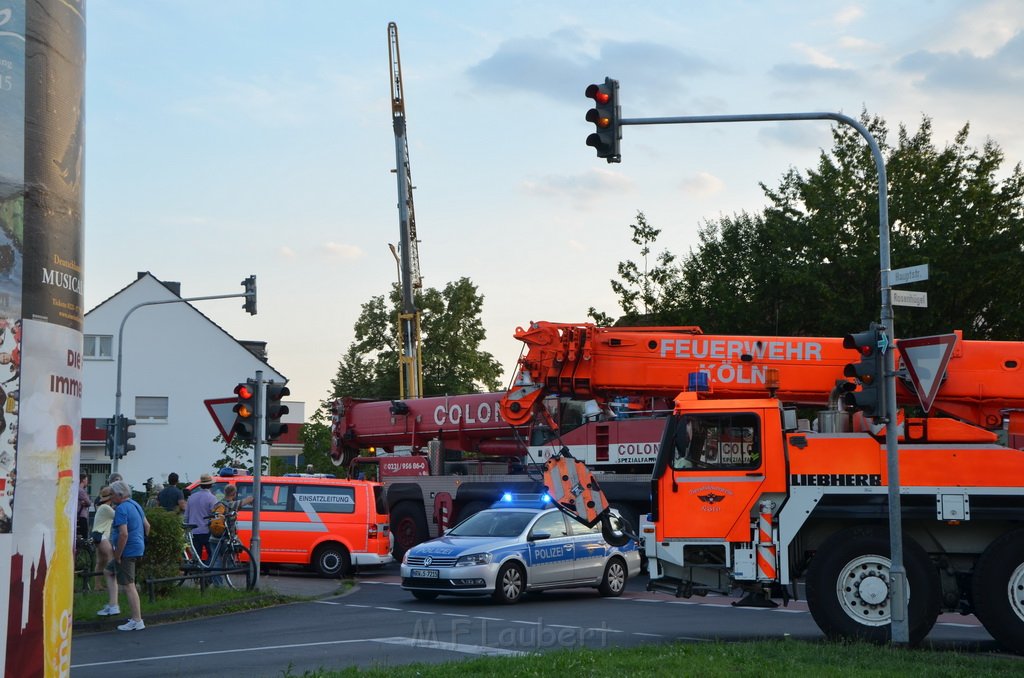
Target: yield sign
<point>926,359</point>
<point>223,412</point>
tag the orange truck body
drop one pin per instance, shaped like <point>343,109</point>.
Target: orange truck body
<point>750,493</point>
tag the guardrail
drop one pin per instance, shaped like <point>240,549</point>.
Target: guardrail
<point>202,574</point>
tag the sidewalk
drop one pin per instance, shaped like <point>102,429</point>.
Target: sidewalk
<point>300,584</point>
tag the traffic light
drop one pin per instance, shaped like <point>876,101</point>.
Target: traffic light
<point>125,435</point>
<point>275,429</point>
<point>250,294</point>
<point>605,116</point>
<point>869,373</point>
<point>245,411</point>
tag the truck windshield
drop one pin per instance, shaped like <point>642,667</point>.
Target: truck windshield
<point>490,523</point>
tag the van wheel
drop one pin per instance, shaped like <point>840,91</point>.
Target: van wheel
<point>331,560</point>
<point>408,526</point>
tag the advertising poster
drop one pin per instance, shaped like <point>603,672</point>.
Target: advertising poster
<point>42,69</point>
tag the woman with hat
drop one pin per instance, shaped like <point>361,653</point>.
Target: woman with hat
<point>101,530</point>
<point>197,509</point>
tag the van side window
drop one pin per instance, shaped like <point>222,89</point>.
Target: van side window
<point>274,497</point>
<point>326,498</point>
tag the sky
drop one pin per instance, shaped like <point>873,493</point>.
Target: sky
<point>235,137</point>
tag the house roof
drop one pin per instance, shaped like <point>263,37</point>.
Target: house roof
<point>175,289</point>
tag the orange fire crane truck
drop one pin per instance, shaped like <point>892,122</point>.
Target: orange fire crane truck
<point>748,494</point>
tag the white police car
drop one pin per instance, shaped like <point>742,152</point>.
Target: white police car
<point>511,548</point>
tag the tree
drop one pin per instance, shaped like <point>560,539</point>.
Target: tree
<point>809,264</point>
<point>238,454</point>
<point>451,334</point>
<point>647,294</point>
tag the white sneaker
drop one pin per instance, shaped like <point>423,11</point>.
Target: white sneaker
<point>108,611</point>
<point>132,625</point>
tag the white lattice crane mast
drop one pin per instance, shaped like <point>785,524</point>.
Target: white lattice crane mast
<point>410,371</point>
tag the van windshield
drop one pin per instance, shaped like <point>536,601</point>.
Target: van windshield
<point>492,523</point>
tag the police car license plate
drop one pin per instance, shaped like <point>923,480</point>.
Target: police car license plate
<point>426,574</point>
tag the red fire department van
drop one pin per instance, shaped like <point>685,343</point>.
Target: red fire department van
<point>326,523</point>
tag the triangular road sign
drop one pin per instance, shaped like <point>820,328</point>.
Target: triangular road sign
<point>927,359</point>
<point>223,412</point>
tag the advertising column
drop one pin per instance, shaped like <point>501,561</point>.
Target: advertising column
<point>42,75</point>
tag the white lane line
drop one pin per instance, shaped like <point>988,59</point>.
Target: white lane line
<point>561,626</point>
<point>604,630</point>
<point>648,635</point>
<point>327,602</point>
<point>419,612</point>
<point>354,605</point>
<point>959,626</point>
<point>453,647</point>
<point>453,614</point>
<point>489,618</point>
<point>215,652</point>
<point>516,621</point>
<point>389,609</point>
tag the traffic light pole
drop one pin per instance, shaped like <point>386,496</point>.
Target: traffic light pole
<point>257,474</point>
<point>120,346</point>
<point>898,575</point>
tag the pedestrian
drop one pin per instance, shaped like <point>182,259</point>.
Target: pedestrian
<point>171,498</point>
<point>198,509</point>
<point>101,525</point>
<point>131,529</point>
<point>225,514</point>
<point>84,504</point>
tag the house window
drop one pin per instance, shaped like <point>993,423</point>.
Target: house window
<point>98,346</point>
<point>151,407</point>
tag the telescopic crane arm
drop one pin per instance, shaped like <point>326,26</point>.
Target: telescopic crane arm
<point>982,383</point>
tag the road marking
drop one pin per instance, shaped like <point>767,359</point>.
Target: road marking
<point>960,626</point>
<point>453,614</point>
<point>389,609</point>
<point>327,602</point>
<point>562,626</point>
<point>489,618</point>
<point>648,635</point>
<point>453,647</point>
<point>419,612</point>
<point>233,651</point>
<point>354,605</point>
<point>605,630</point>
<point>516,621</point>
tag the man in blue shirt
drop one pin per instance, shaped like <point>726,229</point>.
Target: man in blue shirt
<point>128,536</point>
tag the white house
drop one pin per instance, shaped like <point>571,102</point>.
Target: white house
<point>173,359</point>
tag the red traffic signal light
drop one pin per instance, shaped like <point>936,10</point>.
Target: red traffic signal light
<point>606,117</point>
<point>245,411</point>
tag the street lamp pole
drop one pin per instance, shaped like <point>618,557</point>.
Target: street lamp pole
<point>120,347</point>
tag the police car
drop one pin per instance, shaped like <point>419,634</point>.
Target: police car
<point>515,547</point>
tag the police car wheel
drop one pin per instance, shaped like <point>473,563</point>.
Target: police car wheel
<point>331,560</point>
<point>425,595</point>
<point>510,584</point>
<point>614,581</point>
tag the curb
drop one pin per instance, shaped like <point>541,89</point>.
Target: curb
<point>211,610</point>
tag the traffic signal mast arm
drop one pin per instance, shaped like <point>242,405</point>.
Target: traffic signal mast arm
<point>584,360</point>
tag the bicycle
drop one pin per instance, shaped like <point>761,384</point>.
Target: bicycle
<point>85,560</point>
<point>227,553</point>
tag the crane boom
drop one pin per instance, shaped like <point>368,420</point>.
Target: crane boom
<point>410,362</point>
<point>584,360</point>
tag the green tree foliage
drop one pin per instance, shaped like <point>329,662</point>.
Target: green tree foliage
<point>238,454</point>
<point>809,263</point>
<point>451,333</point>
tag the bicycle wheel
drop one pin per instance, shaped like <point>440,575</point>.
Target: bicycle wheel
<point>238,558</point>
<point>190,565</point>
<point>85,563</point>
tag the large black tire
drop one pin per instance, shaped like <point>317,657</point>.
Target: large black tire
<point>408,526</point>
<point>510,584</point>
<point>471,508</point>
<point>614,581</point>
<point>331,560</point>
<point>425,595</point>
<point>998,590</point>
<point>848,590</point>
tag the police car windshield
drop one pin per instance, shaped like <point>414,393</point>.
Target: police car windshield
<point>491,523</point>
